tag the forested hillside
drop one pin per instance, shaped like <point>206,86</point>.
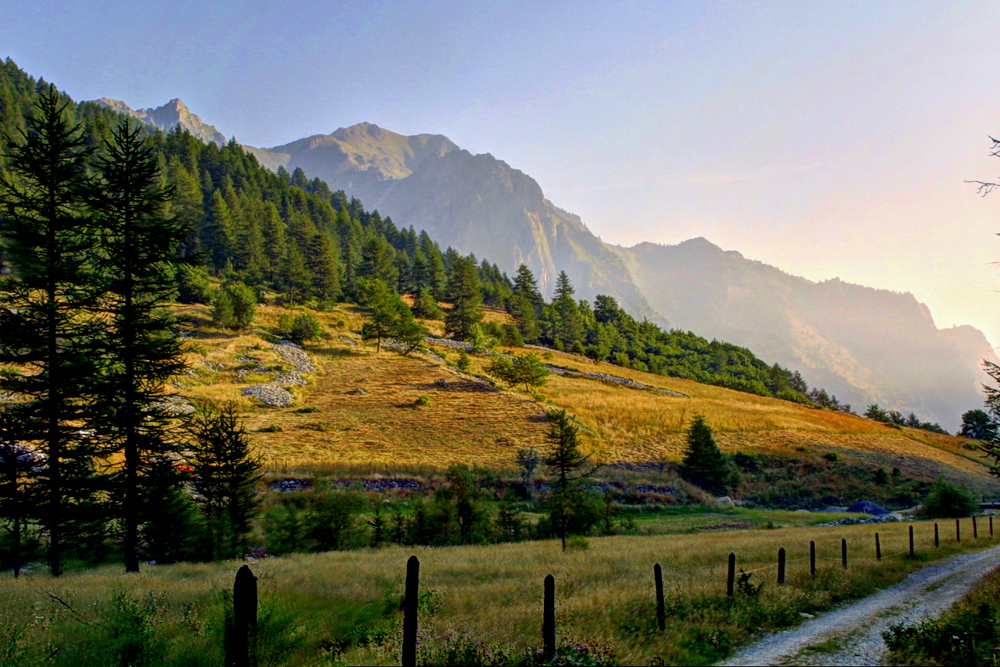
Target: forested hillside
<point>295,238</point>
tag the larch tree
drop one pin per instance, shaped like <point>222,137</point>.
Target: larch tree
<point>44,308</point>
<point>139,346</point>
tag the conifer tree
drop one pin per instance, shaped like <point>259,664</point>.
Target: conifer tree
<point>465,294</point>
<point>567,463</point>
<point>224,471</point>
<point>43,307</point>
<point>139,347</point>
<point>704,464</point>
<point>568,327</point>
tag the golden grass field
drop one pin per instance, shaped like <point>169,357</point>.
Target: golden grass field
<point>470,422</point>
<point>493,593</point>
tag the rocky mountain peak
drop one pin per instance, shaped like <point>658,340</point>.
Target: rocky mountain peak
<point>169,116</point>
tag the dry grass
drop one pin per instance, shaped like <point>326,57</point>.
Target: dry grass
<point>469,423</point>
<point>494,593</point>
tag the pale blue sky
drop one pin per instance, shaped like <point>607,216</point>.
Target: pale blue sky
<point>824,138</point>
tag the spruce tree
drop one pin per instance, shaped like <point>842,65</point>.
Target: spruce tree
<point>224,471</point>
<point>568,327</point>
<point>466,295</point>
<point>704,464</point>
<point>43,308</point>
<point>139,346</point>
<point>567,463</point>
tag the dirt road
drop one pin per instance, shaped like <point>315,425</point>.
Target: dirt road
<point>852,635</point>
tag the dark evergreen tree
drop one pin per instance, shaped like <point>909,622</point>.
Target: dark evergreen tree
<point>568,327</point>
<point>224,471</point>
<point>43,308</point>
<point>525,285</point>
<point>569,465</point>
<point>704,465</point>
<point>138,346</point>
<point>465,295</point>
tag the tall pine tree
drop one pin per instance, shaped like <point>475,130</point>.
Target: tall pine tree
<point>43,308</point>
<point>139,347</point>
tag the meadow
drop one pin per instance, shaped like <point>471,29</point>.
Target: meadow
<point>343,607</point>
<point>366,412</point>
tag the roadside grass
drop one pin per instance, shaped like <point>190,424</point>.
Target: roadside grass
<point>967,634</point>
<point>342,607</point>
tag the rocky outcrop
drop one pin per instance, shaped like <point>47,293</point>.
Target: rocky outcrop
<point>172,114</point>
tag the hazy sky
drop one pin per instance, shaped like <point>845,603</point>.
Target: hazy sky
<point>827,139</point>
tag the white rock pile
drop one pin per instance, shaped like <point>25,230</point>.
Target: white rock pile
<point>270,394</point>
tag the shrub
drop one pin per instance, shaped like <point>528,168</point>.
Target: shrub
<point>947,501</point>
<point>462,363</point>
<point>831,457</point>
<point>272,428</point>
<point>422,401</point>
<point>304,328</point>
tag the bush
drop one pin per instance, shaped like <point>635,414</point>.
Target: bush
<point>303,328</point>
<point>422,401</point>
<point>947,501</point>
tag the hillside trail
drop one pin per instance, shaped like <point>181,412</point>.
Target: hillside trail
<point>852,635</point>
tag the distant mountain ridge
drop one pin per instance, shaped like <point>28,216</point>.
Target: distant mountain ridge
<point>168,117</point>
<point>474,203</point>
<point>864,345</point>
<point>861,343</point>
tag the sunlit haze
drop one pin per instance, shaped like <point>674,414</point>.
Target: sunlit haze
<point>828,140</point>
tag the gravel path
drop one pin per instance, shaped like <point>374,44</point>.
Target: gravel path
<point>852,635</point>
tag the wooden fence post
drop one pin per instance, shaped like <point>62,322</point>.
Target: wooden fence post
<point>911,541</point>
<point>812,557</point>
<point>975,529</point>
<point>549,619</point>
<point>731,577</point>
<point>843,551</point>
<point>239,648</point>
<point>991,525</point>
<point>410,612</point>
<point>937,536</point>
<point>781,565</point>
<point>661,612</point>
<point>958,530</point>
<point>878,548</point>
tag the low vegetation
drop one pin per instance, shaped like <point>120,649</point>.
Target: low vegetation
<point>343,608</point>
<point>968,634</point>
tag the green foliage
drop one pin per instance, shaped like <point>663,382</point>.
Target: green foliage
<point>978,425</point>
<point>527,370</point>
<point>301,328</point>
<point>234,306</point>
<point>224,471</point>
<point>566,503</point>
<point>704,465</point>
<point>314,520</point>
<point>423,401</point>
<point>193,285</point>
<point>969,637</point>
<point>947,501</point>
<point>832,457</point>
<point>465,293</point>
<point>462,363</point>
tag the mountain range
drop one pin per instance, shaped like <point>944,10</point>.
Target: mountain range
<point>863,344</point>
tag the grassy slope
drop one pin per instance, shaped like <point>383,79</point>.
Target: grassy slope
<point>469,422</point>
